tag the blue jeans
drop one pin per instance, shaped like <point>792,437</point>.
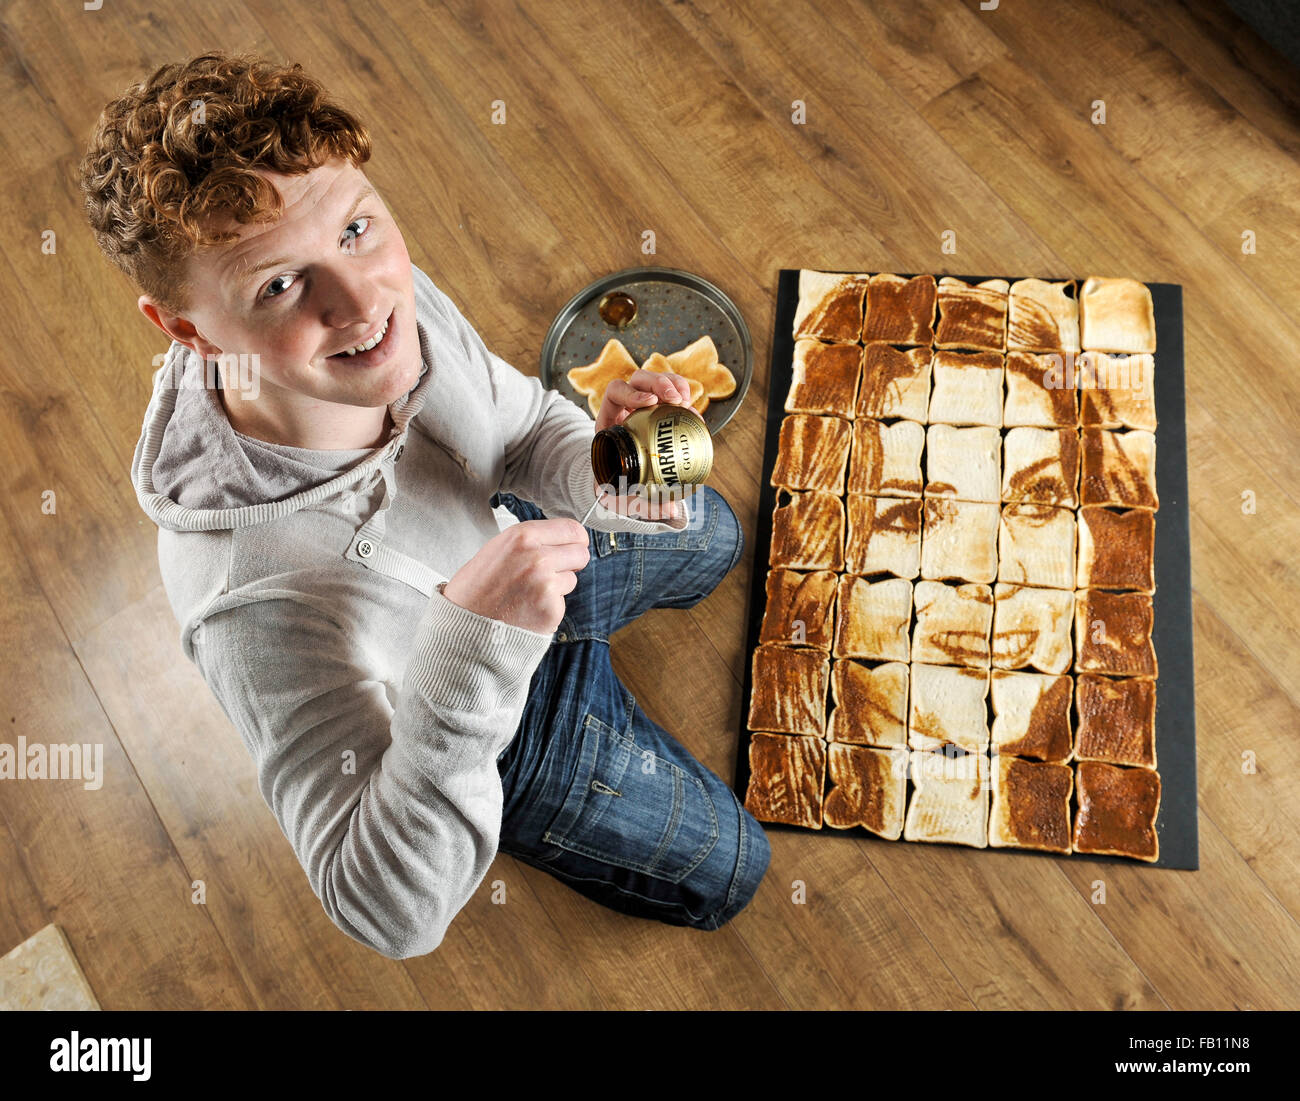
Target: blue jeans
<point>595,793</point>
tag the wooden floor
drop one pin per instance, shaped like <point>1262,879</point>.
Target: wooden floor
<point>675,117</point>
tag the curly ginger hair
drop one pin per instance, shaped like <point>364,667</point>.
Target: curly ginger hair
<point>178,149</point>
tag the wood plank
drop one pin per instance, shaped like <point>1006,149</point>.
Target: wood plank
<point>1209,939</point>
<point>100,860</point>
<point>51,442</point>
<point>1167,139</point>
<point>1010,929</point>
<point>1240,709</point>
<point>869,181</point>
<point>22,913</point>
<point>920,49</point>
<point>1213,42</point>
<point>1243,563</point>
<point>508,952</point>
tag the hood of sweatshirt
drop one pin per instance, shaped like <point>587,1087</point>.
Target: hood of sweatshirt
<point>192,470</point>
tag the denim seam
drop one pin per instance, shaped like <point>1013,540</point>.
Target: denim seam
<point>714,515</point>
<point>740,546</point>
<point>742,864</point>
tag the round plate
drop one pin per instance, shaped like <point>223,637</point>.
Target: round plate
<point>673,308</point>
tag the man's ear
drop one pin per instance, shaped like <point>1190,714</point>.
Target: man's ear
<point>178,328</point>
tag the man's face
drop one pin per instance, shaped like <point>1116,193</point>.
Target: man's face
<point>337,270</point>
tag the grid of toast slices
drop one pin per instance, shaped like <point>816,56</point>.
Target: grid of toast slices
<point>956,644</point>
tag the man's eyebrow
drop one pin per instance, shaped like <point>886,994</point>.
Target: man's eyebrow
<point>243,274</point>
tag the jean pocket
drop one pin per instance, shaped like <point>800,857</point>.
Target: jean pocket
<point>630,807</point>
<point>695,536</point>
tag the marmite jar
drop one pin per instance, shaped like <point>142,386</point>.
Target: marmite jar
<point>663,445</point>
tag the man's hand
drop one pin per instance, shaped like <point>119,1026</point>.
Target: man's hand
<point>641,390</point>
<point>522,575</point>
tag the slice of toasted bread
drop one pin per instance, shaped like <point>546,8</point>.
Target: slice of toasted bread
<point>967,388</point>
<point>1031,627</point>
<point>884,535</point>
<point>972,316</point>
<point>959,540</point>
<point>1031,805</point>
<point>872,618</point>
<point>808,532</point>
<point>962,462</point>
<point>786,777</point>
<point>1117,811</point>
<point>1116,315</point>
<point>1112,634</point>
<point>1118,468</point>
<point>614,362</point>
<point>867,787</point>
<point>799,609</point>
<point>886,458</point>
<point>947,708</point>
<point>830,306</point>
<point>898,310</point>
<point>699,360</point>
<point>812,453</point>
<point>1042,317</point>
<point>1117,720</point>
<point>1116,549</point>
<point>1041,466</point>
<point>952,624</point>
<point>789,691</point>
<point>895,382</point>
<point>870,703</point>
<point>1031,715</point>
<point>950,799</point>
<point>1036,545</point>
<point>1037,391</point>
<point>824,379</point>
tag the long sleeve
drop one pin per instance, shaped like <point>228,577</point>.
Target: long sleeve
<point>394,812</point>
<point>546,438</point>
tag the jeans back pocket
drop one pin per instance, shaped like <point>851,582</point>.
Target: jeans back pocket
<point>629,807</point>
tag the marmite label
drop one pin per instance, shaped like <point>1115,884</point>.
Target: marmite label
<point>680,449</point>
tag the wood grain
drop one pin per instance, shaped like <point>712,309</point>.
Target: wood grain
<point>921,117</point>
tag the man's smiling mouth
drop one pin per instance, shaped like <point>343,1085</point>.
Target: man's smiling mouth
<point>374,341</point>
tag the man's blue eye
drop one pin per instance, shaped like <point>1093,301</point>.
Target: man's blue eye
<point>354,222</point>
<point>273,282</point>
<point>269,293</point>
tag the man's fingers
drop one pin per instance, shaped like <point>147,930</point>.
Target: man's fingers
<point>623,393</point>
<point>568,557</point>
<point>683,385</point>
<point>664,386</point>
<point>556,531</point>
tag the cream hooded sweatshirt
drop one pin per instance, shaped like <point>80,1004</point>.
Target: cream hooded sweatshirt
<point>304,583</point>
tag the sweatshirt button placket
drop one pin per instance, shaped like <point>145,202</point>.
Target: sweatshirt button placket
<point>365,548</point>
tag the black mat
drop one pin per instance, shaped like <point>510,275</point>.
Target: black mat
<point>1176,823</point>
